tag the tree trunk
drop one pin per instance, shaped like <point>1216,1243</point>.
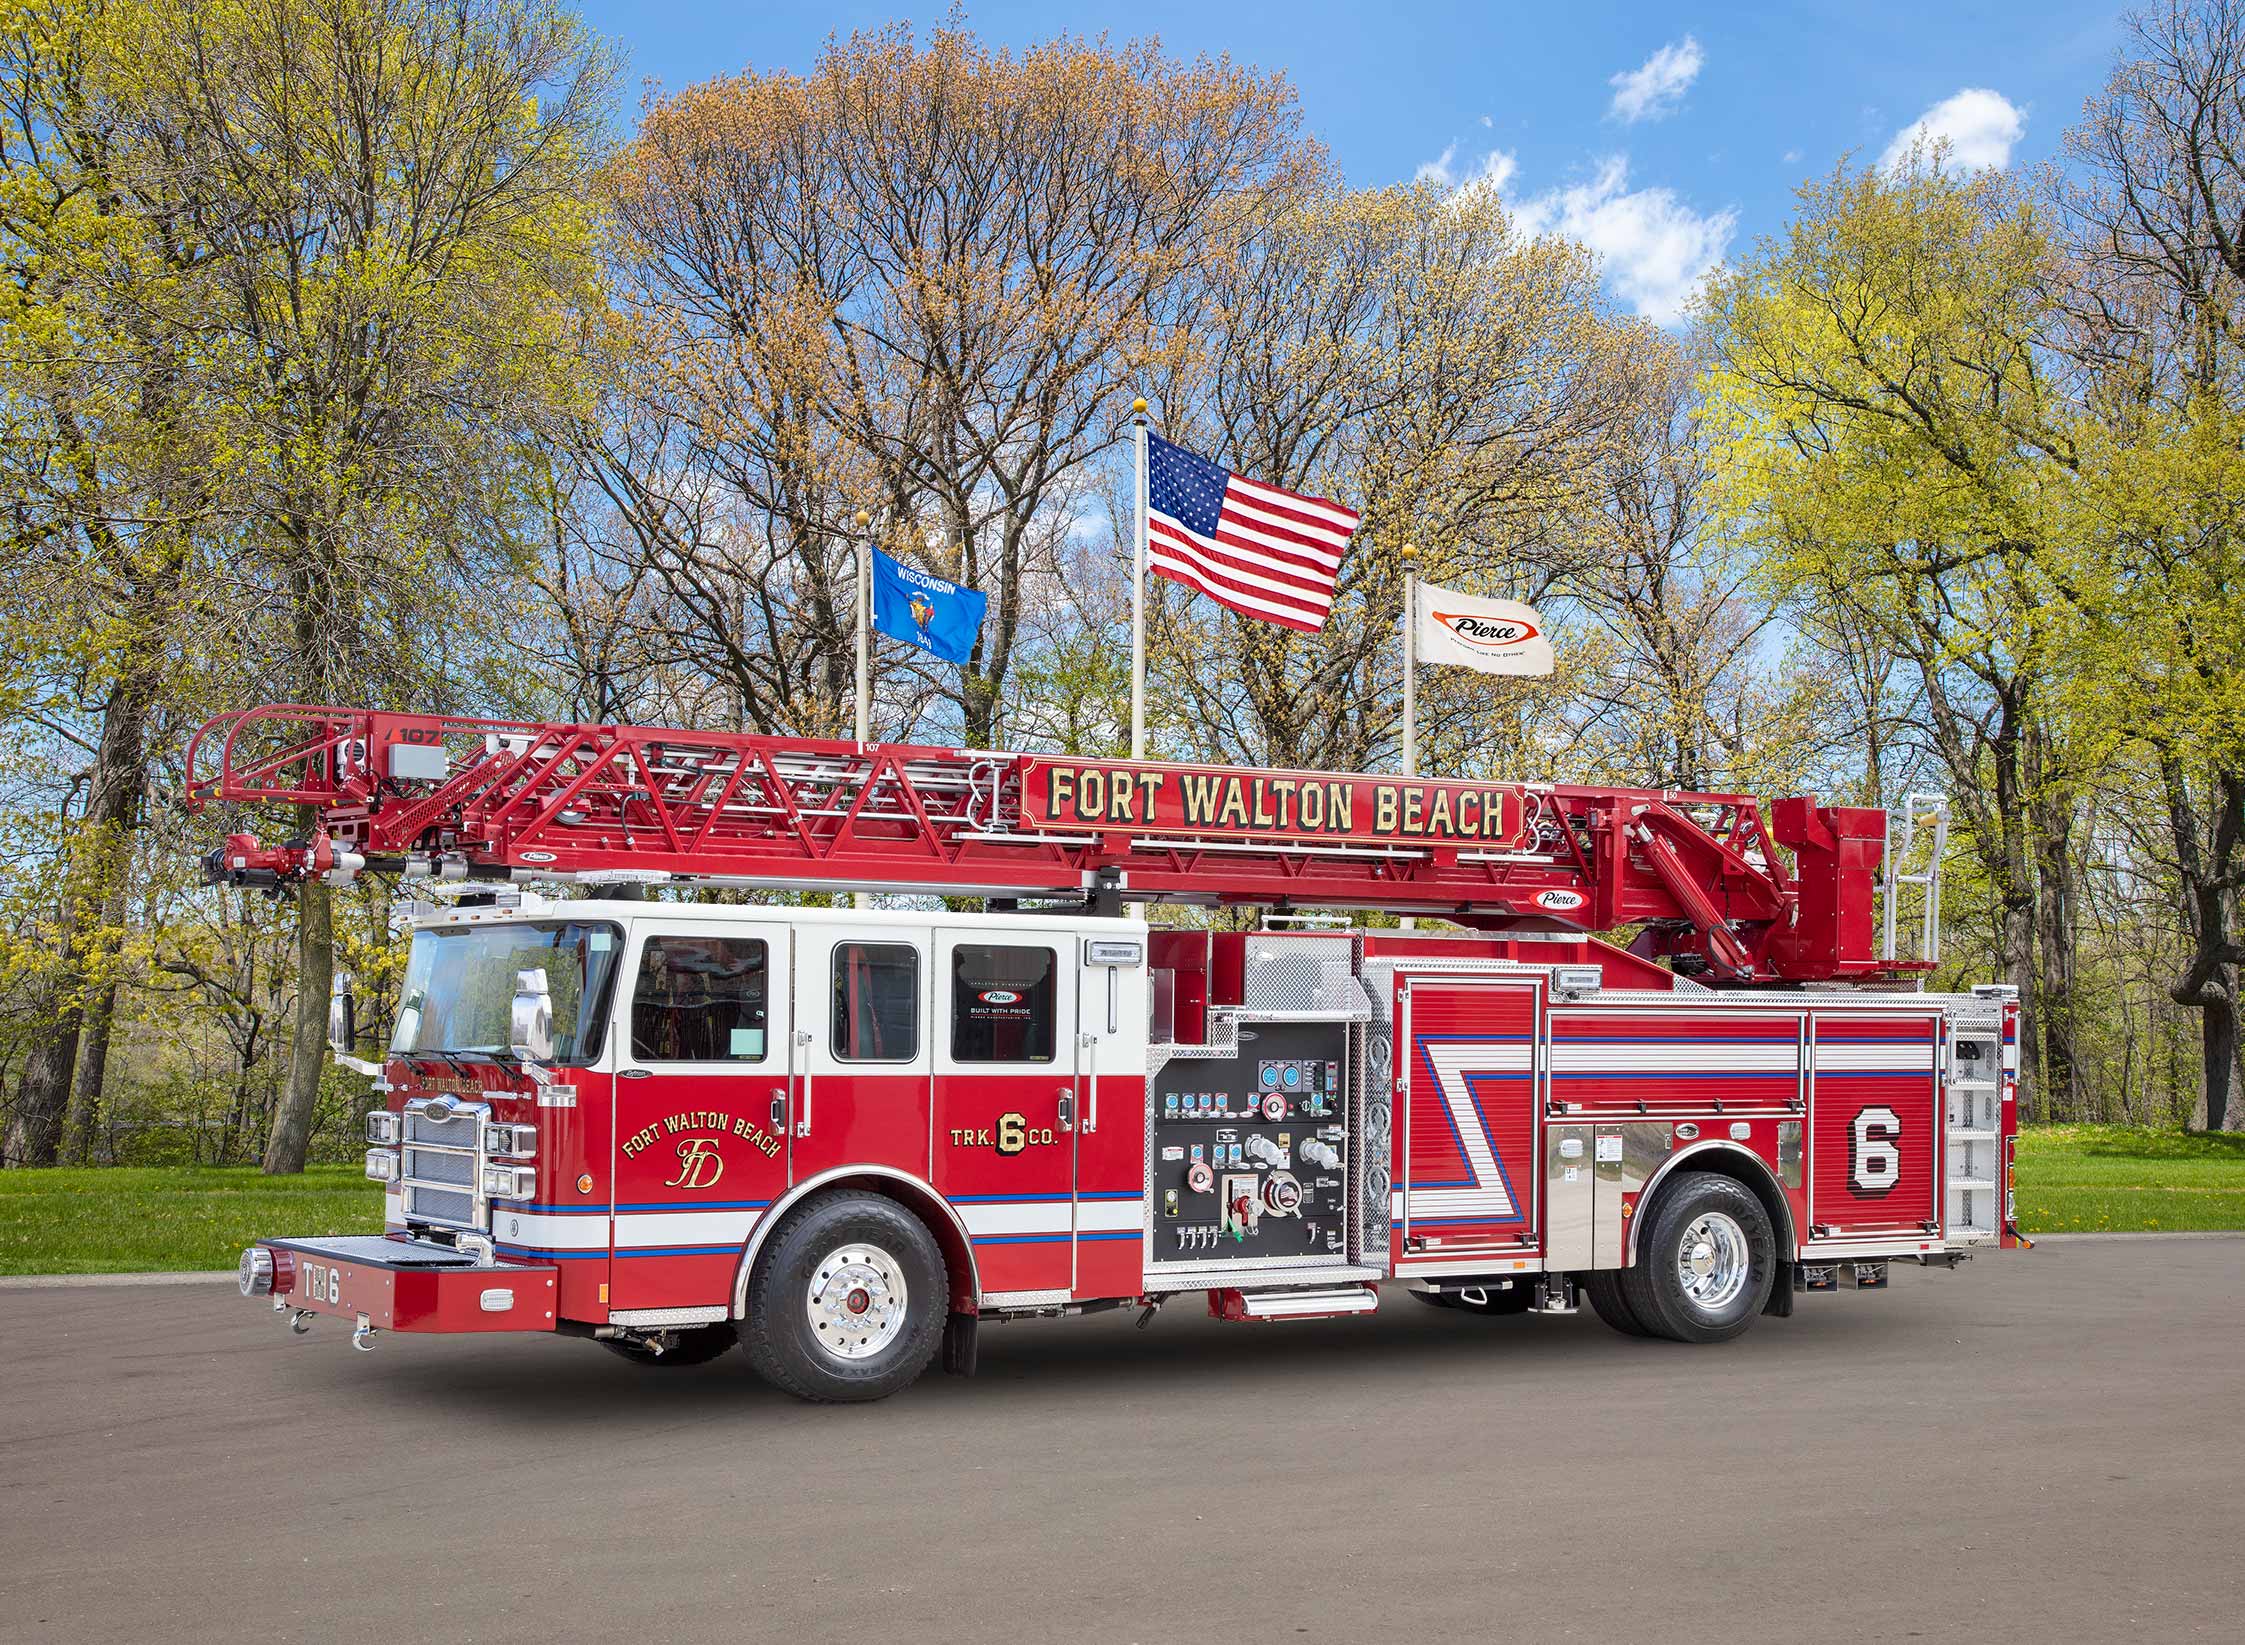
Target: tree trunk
<point>2218,1049</point>
<point>91,903</point>
<point>43,1094</point>
<point>93,1073</point>
<point>291,1139</point>
<point>2055,945</point>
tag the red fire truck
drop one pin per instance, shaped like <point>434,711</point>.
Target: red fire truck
<point>843,1138</point>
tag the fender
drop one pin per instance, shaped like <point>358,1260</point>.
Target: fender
<point>771,1219</point>
<point>1788,1243</point>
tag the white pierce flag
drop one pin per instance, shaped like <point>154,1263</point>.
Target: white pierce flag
<point>1494,636</point>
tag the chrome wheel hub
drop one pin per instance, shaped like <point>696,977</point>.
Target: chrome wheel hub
<point>1713,1261</point>
<point>856,1301</point>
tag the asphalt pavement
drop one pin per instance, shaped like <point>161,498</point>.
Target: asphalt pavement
<point>2041,1446</point>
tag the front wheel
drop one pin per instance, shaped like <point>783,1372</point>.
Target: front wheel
<point>847,1301</point>
<point>1705,1265</point>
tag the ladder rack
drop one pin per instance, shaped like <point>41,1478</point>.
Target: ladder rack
<point>458,797</point>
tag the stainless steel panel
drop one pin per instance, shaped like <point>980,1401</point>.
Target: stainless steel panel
<point>1789,1154</point>
<point>1628,1155</point>
<point>1570,1204</point>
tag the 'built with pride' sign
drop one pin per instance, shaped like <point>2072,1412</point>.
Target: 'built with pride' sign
<point>1305,805</point>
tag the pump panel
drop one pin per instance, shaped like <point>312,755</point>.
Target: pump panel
<point>1251,1153</point>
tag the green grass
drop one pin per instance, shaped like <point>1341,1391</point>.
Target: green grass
<point>2089,1178</point>
<point>143,1219</point>
<point>133,1219</point>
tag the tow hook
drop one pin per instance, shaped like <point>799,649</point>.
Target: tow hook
<point>362,1335</point>
<point>300,1321</point>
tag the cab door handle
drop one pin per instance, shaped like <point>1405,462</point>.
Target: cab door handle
<point>1067,1110</point>
<point>779,1110</point>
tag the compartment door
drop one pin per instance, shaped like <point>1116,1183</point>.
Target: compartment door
<point>1470,1092</point>
<point>1874,1124</point>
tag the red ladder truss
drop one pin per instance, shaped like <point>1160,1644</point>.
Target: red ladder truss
<point>465,798</point>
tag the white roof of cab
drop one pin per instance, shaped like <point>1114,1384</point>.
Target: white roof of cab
<point>547,909</point>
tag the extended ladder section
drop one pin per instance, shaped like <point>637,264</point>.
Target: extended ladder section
<point>453,797</point>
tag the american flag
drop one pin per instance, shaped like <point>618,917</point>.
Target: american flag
<point>1264,552</point>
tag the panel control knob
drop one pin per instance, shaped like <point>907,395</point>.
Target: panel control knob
<point>1274,1107</point>
<point>1199,1177</point>
<point>1282,1194</point>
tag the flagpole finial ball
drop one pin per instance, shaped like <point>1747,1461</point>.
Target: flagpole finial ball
<point>863,519</point>
<point>1410,551</point>
<point>1138,408</point>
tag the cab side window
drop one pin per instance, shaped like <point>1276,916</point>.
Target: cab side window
<point>1003,1003</point>
<point>700,999</point>
<point>876,1001</point>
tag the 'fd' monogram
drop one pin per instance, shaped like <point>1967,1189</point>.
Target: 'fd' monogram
<point>699,1164</point>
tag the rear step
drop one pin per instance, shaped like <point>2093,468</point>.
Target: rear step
<point>1326,1302</point>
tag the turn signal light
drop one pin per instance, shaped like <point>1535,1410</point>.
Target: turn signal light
<point>382,1128</point>
<point>382,1164</point>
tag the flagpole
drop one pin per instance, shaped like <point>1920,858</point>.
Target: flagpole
<point>1410,675</point>
<point>1410,659</point>
<point>864,726</point>
<point>1138,587</point>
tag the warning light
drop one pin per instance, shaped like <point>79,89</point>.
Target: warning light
<point>584,1183</point>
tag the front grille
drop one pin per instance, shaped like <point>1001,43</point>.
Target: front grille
<point>442,1160</point>
<point>445,1130</point>
<point>448,1205</point>
<point>440,1165</point>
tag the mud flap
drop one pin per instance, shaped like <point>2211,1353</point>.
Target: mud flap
<point>1780,1304</point>
<point>959,1345</point>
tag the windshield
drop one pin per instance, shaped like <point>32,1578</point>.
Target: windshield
<point>459,988</point>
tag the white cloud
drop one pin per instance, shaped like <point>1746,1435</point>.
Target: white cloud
<point>1792,157</point>
<point>1486,121</point>
<point>1652,91</point>
<point>1494,171</point>
<point>1655,247</point>
<point>1977,125</point>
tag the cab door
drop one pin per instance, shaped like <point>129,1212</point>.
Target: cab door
<point>702,1106</point>
<point>1007,1101</point>
<point>863,1033</point>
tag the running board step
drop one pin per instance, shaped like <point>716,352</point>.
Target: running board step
<point>1322,1303</point>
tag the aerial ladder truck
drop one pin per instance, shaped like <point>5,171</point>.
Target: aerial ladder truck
<point>842,1139</point>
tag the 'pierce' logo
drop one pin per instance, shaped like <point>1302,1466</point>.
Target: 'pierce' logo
<point>1487,633</point>
<point>699,1164</point>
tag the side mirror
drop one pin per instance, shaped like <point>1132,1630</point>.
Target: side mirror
<point>532,1030</point>
<point>342,1016</point>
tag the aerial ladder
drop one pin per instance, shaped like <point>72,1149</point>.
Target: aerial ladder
<point>1714,884</point>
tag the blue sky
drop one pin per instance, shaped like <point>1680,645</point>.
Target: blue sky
<point>1666,136</point>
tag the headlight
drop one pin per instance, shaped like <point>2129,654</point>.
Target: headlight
<point>382,1127</point>
<point>521,1141</point>
<point>510,1182</point>
<point>382,1164</point>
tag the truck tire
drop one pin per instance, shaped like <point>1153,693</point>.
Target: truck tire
<point>1611,1303</point>
<point>1706,1262</point>
<point>848,1300</point>
<point>690,1345</point>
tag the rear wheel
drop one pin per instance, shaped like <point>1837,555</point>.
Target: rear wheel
<point>848,1300</point>
<point>689,1345</point>
<point>1706,1263</point>
<point>1611,1303</point>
